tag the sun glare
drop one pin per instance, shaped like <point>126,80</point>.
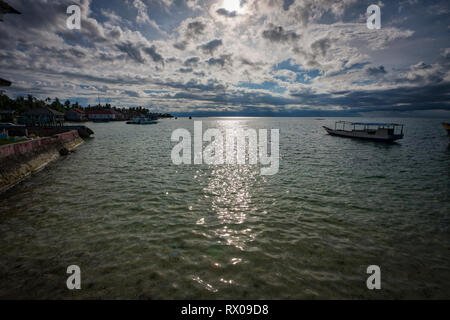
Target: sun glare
<point>232,5</point>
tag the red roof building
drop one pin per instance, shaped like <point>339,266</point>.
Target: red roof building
<point>101,115</point>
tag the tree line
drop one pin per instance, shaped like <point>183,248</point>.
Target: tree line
<point>22,104</point>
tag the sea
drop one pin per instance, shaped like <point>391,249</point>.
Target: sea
<point>140,227</point>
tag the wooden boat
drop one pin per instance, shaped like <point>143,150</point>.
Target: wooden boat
<point>446,127</point>
<point>385,132</point>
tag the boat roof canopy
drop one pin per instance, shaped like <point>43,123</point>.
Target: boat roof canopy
<point>380,124</point>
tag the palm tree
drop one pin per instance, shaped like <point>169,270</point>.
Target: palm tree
<point>67,104</point>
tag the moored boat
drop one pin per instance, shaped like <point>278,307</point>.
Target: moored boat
<point>386,132</point>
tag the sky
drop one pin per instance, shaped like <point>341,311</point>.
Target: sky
<point>234,58</point>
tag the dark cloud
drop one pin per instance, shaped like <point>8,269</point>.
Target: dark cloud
<point>252,64</point>
<point>376,71</point>
<point>226,13</point>
<point>423,74</point>
<point>154,55</point>
<point>195,28</point>
<point>181,45</point>
<point>191,61</point>
<point>351,102</point>
<point>397,99</point>
<point>246,62</point>
<point>224,59</point>
<point>278,34</point>
<point>321,46</point>
<point>211,46</point>
<point>132,51</point>
<point>185,70</point>
<point>115,33</point>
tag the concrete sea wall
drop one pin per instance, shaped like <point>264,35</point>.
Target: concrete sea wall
<point>83,131</point>
<point>19,160</point>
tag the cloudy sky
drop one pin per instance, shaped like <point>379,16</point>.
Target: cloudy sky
<point>231,57</point>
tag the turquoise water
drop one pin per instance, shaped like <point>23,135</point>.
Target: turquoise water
<point>140,227</point>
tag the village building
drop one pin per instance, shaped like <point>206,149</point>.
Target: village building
<point>76,115</point>
<point>101,115</point>
<point>42,117</point>
<point>119,116</point>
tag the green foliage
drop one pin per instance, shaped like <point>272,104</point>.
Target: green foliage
<point>21,104</point>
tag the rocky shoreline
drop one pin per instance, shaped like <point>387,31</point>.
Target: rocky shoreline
<point>19,160</point>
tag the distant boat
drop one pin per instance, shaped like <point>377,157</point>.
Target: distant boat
<point>446,127</point>
<point>386,132</point>
<point>143,121</point>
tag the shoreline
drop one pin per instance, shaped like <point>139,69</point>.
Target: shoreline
<point>21,160</point>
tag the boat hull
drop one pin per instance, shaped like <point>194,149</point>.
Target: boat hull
<point>363,135</point>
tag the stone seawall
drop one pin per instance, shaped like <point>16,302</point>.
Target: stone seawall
<point>83,131</point>
<point>19,160</point>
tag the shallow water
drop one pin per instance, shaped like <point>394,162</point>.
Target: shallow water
<point>142,228</point>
